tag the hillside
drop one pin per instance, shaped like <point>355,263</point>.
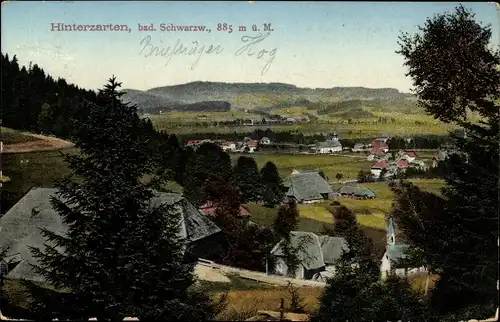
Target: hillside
<point>262,96</point>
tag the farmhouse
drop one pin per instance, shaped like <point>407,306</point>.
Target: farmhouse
<point>252,145</point>
<point>20,228</point>
<point>356,191</point>
<point>318,256</point>
<point>409,155</point>
<point>377,167</point>
<point>228,146</point>
<point>329,146</point>
<point>307,187</point>
<point>379,147</point>
<point>393,260</point>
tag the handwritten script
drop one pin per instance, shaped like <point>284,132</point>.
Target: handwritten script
<point>250,48</point>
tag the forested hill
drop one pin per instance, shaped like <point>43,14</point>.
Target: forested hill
<point>253,96</point>
<point>35,101</point>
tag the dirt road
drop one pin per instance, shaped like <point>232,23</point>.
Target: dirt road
<point>44,143</point>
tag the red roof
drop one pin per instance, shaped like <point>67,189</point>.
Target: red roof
<point>410,153</point>
<point>380,164</point>
<point>191,142</point>
<point>209,209</point>
<point>253,143</point>
<point>402,164</point>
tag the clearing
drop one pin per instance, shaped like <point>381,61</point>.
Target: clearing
<point>21,142</point>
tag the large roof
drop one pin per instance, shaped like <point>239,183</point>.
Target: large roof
<point>330,143</point>
<point>20,226</point>
<point>314,251</point>
<point>306,186</point>
<point>356,190</point>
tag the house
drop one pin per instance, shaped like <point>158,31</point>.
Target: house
<point>290,120</point>
<point>356,191</point>
<point>402,164</point>
<point>265,141</point>
<point>307,187</point>
<point>210,208</point>
<point>409,155</point>
<point>329,146</point>
<point>379,147</point>
<point>193,142</point>
<point>20,228</point>
<point>358,147</point>
<point>378,166</point>
<point>228,146</point>
<point>252,145</point>
<point>318,256</point>
<point>418,164</point>
<point>393,260</point>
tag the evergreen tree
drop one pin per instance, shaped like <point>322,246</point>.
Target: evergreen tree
<point>246,244</point>
<point>286,222</point>
<point>246,176</point>
<point>455,72</point>
<point>355,292</point>
<point>273,193</point>
<point>209,160</point>
<point>122,254</point>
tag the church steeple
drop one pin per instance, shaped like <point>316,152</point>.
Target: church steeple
<point>391,232</point>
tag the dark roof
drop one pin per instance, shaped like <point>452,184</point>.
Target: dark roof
<point>20,229</point>
<point>356,190</point>
<point>306,186</point>
<point>314,251</point>
<point>331,143</point>
<point>397,254</point>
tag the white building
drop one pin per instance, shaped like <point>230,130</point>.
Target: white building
<point>393,260</point>
<point>329,146</point>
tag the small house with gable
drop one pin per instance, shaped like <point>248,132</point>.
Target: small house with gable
<point>317,255</point>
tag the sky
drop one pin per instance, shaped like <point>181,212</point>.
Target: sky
<point>312,44</point>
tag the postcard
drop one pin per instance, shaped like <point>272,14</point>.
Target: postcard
<point>312,152</point>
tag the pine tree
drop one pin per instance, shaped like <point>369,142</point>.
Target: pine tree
<point>209,160</point>
<point>122,255</point>
<point>355,292</point>
<point>286,222</point>
<point>455,72</point>
<point>246,176</point>
<point>273,193</point>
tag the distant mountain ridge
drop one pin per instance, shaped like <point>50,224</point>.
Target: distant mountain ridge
<point>248,96</point>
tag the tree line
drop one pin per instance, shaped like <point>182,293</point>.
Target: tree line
<point>34,101</point>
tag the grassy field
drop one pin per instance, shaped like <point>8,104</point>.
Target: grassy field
<point>349,131</point>
<point>27,170</point>
<point>331,165</point>
<point>9,136</point>
<point>404,124</point>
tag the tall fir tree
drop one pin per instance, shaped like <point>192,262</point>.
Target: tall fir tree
<point>286,222</point>
<point>122,254</point>
<point>355,292</point>
<point>455,73</point>
<point>209,160</point>
<point>246,176</point>
<point>272,185</point>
